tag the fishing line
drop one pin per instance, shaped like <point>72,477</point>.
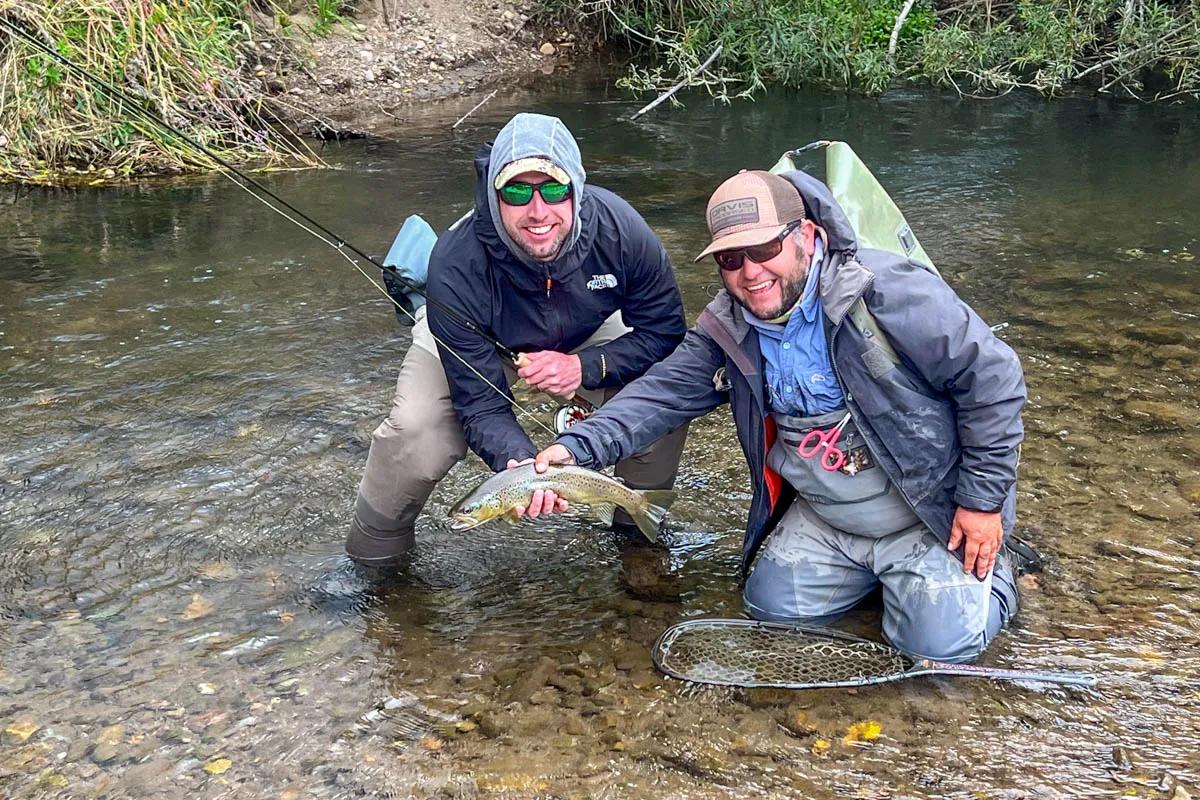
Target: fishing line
<point>244,182</point>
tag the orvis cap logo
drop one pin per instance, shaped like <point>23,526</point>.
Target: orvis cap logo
<point>602,282</point>
<point>733,212</point>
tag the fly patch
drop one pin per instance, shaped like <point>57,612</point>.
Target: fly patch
<point>733,212</point>
<point>877,361</point>
<point>602,282</point>
<point>857,460</point>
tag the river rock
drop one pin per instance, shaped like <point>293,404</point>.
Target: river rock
<point>1190,491</point>
<point>1174,352</point>
<point>524,687</point>
<point>1160,413</point>
<point>105,753</point>
<point>544,697</point>
<point>547,49</point>
<point>20,730</point>
<point>1162,509</point>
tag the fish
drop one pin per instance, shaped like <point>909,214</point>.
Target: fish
<point>499,496</point>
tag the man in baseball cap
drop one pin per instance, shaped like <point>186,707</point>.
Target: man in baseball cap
<point>879,416</point>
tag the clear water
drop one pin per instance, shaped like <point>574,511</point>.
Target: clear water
<point>188,388</point>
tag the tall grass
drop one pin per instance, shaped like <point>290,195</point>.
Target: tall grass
<point>1149,49</point>
<point>188,61</point>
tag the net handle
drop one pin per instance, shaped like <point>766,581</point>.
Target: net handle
<point>928,667</point>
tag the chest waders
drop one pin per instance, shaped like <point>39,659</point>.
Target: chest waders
<point>858,498</point>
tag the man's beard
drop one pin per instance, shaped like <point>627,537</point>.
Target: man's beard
<point>548,252</point>
<point>790,291</point>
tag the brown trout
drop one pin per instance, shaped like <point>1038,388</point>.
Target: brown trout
<point>500,495</point>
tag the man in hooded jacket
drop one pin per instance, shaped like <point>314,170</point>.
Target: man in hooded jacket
<point>882,444</point>
<point>567,274</point>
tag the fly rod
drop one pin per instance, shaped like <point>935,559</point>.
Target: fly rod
<point>258,190</point>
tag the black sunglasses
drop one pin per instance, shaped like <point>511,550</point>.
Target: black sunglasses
<point>731,260</point>
<point>521,194</point>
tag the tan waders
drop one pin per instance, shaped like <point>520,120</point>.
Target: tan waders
<point>421,440</point>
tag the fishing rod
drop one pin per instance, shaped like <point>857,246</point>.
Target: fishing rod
<point>313,227</point>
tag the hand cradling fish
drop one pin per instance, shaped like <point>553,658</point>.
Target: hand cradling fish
<point>501,494</point>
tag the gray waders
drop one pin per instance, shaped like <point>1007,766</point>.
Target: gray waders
<point>849,532</point>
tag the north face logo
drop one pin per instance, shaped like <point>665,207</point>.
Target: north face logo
<point>602,282</point>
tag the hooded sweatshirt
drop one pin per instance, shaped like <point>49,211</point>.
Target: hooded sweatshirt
<point>610,262</point>
<point>528,135</point>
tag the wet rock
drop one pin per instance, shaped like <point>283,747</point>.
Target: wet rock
<point>1162,509</point>
<point>644,679</point>
<point>1190,491</point>
<point>575,726</point>
<point>571,684</point>
<point>1160,413</point>
<point>631,657</point>
<point>543,697</point>
<point>145,779</point>
<point>602,676</point>
<point>493,725</point>
<point>1173,352</point>
<point>547,49</point>
<point>20,730</point>
<point>522,690</point>
<point>105,753</point>
<point>77,750</point>
<point>1122,757</point>
<point>760,697</point>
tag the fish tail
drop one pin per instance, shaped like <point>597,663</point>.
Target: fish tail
<point>650,518</point>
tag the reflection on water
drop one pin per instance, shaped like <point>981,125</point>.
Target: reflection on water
<point>189,385</point>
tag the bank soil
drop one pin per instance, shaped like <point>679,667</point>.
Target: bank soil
<point>363,74</point>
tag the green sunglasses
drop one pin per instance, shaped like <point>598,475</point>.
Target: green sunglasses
<point>520,194</point>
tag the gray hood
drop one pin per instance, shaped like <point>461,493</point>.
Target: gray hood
<point>528,135</point>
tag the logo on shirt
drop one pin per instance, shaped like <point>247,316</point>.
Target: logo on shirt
<point>602,282</point>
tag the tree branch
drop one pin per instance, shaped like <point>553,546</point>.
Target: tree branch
<point>687,79</point>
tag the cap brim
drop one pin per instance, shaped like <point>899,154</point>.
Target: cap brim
<point>734,241</point>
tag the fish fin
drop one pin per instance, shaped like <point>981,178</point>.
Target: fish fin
<point>512,516</point>
<point>604,512</point>
<point>657,503</point>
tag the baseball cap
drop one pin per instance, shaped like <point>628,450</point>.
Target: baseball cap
<point>531,164</point>
<point>753,207</point>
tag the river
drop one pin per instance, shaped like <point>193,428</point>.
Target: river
<point>187,389</point>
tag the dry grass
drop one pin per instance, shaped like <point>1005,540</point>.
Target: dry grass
<point>193,63</point>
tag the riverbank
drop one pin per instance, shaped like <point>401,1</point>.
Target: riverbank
<point>364,73</point>
<point>247,85</point>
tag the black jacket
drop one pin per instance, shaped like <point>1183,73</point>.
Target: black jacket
<point>548,307</point>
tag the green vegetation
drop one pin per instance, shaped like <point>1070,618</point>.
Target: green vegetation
<point>192,62</point>
<point>1148,49</point>
<point>328,13</point>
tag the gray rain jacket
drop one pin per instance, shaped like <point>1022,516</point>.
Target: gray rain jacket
<point>944,423</point>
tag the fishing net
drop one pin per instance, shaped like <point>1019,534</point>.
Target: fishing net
<point>745,653</point>
<point>737,652</point>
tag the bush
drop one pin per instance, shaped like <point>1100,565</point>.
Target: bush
<point>971,45</point>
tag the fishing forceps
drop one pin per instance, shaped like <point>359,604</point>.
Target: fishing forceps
<point>817,440</point>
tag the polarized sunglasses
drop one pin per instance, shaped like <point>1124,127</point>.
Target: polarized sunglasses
<point>731,260</point>
<point>521,194</point>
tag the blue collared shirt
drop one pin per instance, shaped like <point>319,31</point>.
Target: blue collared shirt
<point>800,377</point>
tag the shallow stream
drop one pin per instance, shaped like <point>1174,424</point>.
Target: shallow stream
<point>187,389</point>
